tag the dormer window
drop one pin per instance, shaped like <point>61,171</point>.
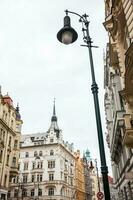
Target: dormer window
<point>51,140</point>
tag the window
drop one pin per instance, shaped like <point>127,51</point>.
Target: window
<point>32,178</point>
<point>15,193</point>
<point>65,178</point>
<point>32,192</point>
<point>51,140</point>
<point>39,177</point>
<point>1,155</point>
<point>33,165</point>
<point>39,192</point>
<point>51,191</point>
<point>7,160</point>
<point>12,124</point>
<point>10,139</point>
<point>71,181</point>
<point>18,166</point>
<point>40,153</point>
<point>51,164</point>
<point>26,154</point>
<point>41,165</point>
<point>24,192</point>
<point>51,177</point>
<point>16,144</point>
<point>51,152</point>
<point>14,180</point>
<point>14,162</point>
<point>25,178</point>
<point>9,194</point>
<point>5,180</point>
<point>26,166</point>
<point>35,153</point>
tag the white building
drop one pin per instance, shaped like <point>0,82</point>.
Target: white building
<point>47,167</point>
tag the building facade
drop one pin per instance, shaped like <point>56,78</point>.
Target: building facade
<point>10,130</point>
<point>82,178</point>
<point>118,84</point>
<point>47,167</point>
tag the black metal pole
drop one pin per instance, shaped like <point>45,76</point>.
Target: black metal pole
<point>94,88</point>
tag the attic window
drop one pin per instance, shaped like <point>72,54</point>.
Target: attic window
<point>51,140</point>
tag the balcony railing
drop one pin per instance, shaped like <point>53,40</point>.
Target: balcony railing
<point>128,131</point>
<point>14,170</point>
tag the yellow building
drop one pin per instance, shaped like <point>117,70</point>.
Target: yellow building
<point>118,84</point>
<point>80,181</point>
<point>10,130</point>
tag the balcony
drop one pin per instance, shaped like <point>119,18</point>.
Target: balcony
<point>127,93</point>
<point>128,134</point>
<point>14,171</point>
<point>117,123</point>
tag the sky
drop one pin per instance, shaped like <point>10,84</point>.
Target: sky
<point>35,67</point>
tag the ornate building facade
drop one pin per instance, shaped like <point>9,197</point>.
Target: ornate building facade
<point>118,84</point>
<point>82,178</point>
<point>47,166</point>
<point>10,130</point>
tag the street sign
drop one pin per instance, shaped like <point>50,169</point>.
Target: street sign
<point>100,195</point>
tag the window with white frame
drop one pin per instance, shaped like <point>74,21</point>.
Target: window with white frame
<point>51,176</point>
<point>51,164</point>
<point>51,191</point>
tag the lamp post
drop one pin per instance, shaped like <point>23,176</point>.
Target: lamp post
<point>68,35</point>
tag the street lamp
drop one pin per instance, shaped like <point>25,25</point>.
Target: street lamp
<point>68,35</point>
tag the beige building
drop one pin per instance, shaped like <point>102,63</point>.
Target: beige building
<point>118,83</point>
<point>10,130</point>
<point>47,167</point>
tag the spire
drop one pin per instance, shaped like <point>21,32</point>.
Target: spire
<point>54,124</point>
<point>54,118</point>
<point>18,116</point>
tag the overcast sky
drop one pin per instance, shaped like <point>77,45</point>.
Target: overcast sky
<point>35,68</point>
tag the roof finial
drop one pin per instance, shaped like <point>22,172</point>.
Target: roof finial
<point>54,108</point>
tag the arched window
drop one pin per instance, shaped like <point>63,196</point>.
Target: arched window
<point>51,152</point>
<point>40,153</point>
<point>35,153</point>
<point>32,192</point>
<point>39,192</point>
<point>51,191</point>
